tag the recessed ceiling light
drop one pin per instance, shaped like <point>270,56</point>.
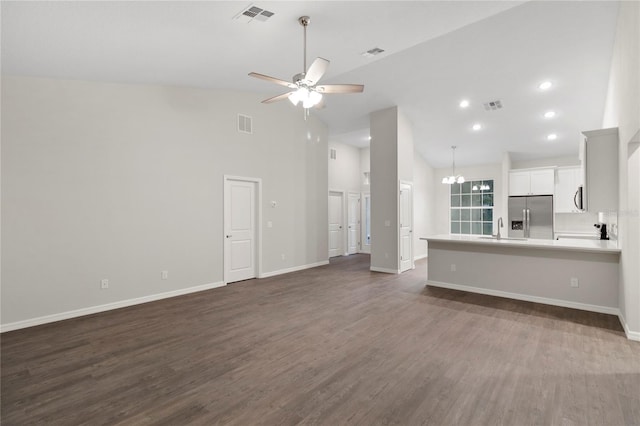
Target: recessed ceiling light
<point>545,85</point>
<point>464,103</point>
<point>477,127</point>
<point>552,137</point>
<point>549,114</point>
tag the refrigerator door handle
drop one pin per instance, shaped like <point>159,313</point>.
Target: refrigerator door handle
<point>528,223</point>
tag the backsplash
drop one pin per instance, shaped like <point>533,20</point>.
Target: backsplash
<point>583,223</point>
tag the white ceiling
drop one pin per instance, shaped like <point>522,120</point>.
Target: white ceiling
<point>436,53</point>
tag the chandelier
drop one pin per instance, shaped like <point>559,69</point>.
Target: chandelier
<point>450,180</point>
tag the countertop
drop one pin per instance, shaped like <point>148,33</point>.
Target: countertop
<point>597,246</point>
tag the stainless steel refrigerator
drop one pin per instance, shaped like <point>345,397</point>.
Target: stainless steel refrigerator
<point>531,217</point>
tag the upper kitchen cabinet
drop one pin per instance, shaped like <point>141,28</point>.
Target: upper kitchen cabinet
<point>567,196</point>
<point>531,182</point>
<point>599,153</point>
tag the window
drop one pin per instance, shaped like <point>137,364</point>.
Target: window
<point>471,208</point>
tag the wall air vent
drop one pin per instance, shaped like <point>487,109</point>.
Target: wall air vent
<point>245,124</point>
<point>372,52</point>
<point>333,154</point>
<point>493,105</point>
<point>253,13</point>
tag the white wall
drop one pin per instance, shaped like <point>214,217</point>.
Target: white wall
<point>442,194</point>
<point>344,171</point>
<point>123,181</point>
<point>622,110</point>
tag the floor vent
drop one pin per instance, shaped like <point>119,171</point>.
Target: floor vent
<point>493,105</point>
<point>333,154</point>
<point>245,124</point>
<point>253,13</point>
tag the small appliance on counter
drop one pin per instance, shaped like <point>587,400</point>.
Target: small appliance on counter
<point>602,226</point>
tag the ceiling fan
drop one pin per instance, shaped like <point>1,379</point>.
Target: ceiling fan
<point>304,87</point>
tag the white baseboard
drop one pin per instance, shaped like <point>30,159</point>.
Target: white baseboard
<point>107,307</point>
<point>631,335</point>
<point>293,269</point>
<point>385,270</point>
<point>422,256</point>
<point>528,298</point>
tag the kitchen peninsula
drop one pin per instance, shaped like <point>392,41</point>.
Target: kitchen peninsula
<point>581,274</point>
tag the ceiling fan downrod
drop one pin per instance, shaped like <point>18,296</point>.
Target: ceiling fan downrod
<point>304,21</point>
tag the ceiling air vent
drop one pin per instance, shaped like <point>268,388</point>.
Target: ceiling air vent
<point>245,124</point>
<point>253,13</point>
<point>372,52</point>
<point>333,154</point>
<point>493,105</point>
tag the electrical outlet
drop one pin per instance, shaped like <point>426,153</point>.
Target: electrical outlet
<point>574,282</point>
<point>453,267</point>
<point>104,284</point>
<point>165,275</point>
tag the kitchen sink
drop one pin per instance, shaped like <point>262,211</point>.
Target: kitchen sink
<point>503,238</point>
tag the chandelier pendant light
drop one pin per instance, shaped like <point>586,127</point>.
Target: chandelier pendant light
<point>450,180</point>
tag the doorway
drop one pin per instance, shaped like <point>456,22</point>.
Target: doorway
<point>406,226</point>
<point>365,246</point>
<point>241,228</point>
<point>335,223</point>
<point>353,223</point>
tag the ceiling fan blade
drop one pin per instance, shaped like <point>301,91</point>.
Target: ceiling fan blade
<point>316,70</point>
<point>340,88</point>
<point>273,80</point>
<point>277,98</point>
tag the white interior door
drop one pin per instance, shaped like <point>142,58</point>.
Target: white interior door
<point>406,226</point>
<point>353,223</point>
<point>240,223</point>
<point>335,224</point>
<point>366,223</point>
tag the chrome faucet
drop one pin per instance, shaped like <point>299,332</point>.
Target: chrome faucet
<point>500,225</point>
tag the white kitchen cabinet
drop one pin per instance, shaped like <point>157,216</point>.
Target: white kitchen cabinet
<point>531,182</point>
<point>600,161</point>
<point>568,179</point>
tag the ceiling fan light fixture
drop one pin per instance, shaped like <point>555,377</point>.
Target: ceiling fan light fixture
<point>304,88</point>
<point>313,98</point>
<point>299,95</point>
<point>309,98</point>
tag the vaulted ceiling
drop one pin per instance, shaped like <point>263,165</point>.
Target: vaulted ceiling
<point>436,53</point>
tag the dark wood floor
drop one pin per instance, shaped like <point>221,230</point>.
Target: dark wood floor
<point>331,345</point>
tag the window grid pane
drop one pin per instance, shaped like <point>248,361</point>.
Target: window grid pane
<point>471,208</point>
